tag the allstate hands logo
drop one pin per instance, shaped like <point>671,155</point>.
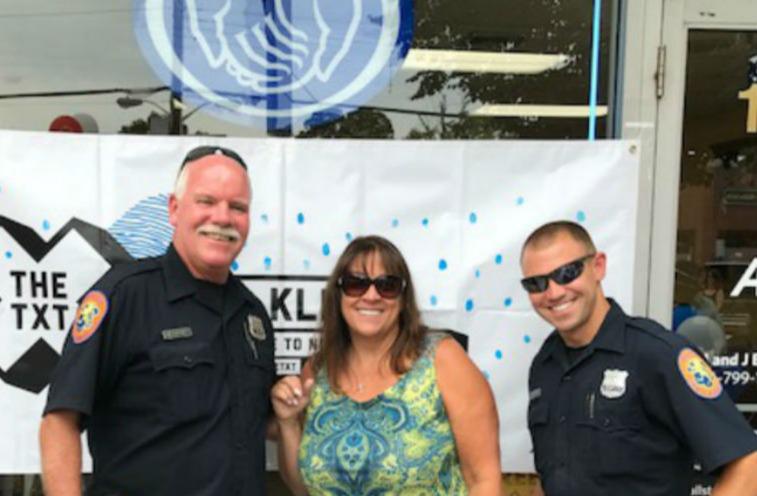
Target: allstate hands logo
<point>275,62</point>
<point>273,55</point>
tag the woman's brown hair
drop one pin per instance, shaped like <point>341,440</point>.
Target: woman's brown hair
<point>335,335</point>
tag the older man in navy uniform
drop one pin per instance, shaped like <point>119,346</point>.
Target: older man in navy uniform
<point>619,405</point>
<point>169,361</point>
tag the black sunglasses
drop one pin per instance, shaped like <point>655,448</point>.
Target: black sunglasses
<point>562,275</point>
<point>389,287</point>
<point>203,151</point>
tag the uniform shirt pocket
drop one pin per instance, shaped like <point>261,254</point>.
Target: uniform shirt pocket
<point>185,371</point>
<point>538,423</point>
<point>619,445</point>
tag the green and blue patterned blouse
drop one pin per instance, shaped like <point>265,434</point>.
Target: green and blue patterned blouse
<point>398,443</point>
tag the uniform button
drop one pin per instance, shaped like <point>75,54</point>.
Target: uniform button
<point>566,378</point>
<point>562,419</point>
<point>607,422</point>
<point>187,359</point>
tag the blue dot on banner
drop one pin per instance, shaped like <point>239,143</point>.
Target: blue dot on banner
<point>498,354</point>
<point>348,236</point>
<point>442,264</point>
<point>326,249</point>
<point>469,305</point>
<point>472,217</point>
<point>526,339</point>
<point>478,273</point>
<point>424,222</point>
<point>520,200</point>
<point>581,216</point>
<point>508,301</point>
<point>8,255</point>
<point>498,259</point>
<point>434,300</point>
<point>45,224</point>
<point>395,222</point>
<point>234,265</point>
<point>267,263</point>
<point>306,264</point>
<point>264,218</point>
<point>300,218</point>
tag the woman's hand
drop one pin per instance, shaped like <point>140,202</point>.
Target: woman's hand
<point>290,396</point>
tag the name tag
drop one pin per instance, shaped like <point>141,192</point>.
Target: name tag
<point>176,333</point>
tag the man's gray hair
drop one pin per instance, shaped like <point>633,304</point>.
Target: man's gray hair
<point>180,186</point>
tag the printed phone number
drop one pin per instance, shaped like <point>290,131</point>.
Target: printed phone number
<point>737,378</point>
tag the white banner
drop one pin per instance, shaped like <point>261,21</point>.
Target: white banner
<point>70,205</point>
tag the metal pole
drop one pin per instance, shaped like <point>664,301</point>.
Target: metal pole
<point>176,83</point>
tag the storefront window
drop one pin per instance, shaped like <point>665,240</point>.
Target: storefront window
<point>480,69</point>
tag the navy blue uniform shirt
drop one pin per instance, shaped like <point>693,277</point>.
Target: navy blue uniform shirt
<point>171,376</point>
<point>622,419</point>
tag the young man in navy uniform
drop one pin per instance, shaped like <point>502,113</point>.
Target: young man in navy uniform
<point>619,405</point>
<point>169,362</point>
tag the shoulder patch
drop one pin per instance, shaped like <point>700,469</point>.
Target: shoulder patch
<point>89,316</point>
<point>698,375</point>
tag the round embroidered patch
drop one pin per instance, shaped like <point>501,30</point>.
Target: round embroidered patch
<point>698,374</point>
<point>89,316</point>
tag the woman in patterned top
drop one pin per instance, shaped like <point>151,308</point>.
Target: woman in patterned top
<point>384,406</point>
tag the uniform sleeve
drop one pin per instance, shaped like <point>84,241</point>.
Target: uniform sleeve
<point>83,369</point>
<point>687,396</point>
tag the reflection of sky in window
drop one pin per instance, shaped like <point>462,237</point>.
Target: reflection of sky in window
<point>62,44</point>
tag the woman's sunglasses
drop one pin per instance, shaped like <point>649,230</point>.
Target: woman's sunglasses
<point>389,287</point>
<point>565,274</point>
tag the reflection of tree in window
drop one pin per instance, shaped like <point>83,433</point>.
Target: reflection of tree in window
<point>516,26</point>
<point>555,27</point>
<point>362,123</point>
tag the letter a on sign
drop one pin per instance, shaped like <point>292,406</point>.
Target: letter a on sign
<point>748,280</point>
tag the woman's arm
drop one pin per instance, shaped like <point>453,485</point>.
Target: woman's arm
<point>473,416</point>
<point>290,396</point>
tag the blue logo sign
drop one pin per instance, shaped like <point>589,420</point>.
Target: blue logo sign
<point>275,63</point>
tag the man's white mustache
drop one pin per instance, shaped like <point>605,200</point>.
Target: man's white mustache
<point>228,232</point>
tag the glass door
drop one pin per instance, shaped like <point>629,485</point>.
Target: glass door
<point>703,250</point>
<point>714,293</point>
<point>706,187</point>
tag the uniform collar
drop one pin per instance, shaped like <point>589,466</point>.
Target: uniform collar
<point>611,336</point>
<point>180,283</point>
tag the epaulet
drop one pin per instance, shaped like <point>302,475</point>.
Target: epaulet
<point>122,272</point>
<point>656,331</point>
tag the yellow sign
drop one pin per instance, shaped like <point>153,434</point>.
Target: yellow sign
<point>751,114</point>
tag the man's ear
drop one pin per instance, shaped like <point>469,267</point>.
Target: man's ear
<point>599,265</point>
<point>173,207</point>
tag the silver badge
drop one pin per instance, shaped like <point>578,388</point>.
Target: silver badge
<point>614,383</point>
<point>254,327</point>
